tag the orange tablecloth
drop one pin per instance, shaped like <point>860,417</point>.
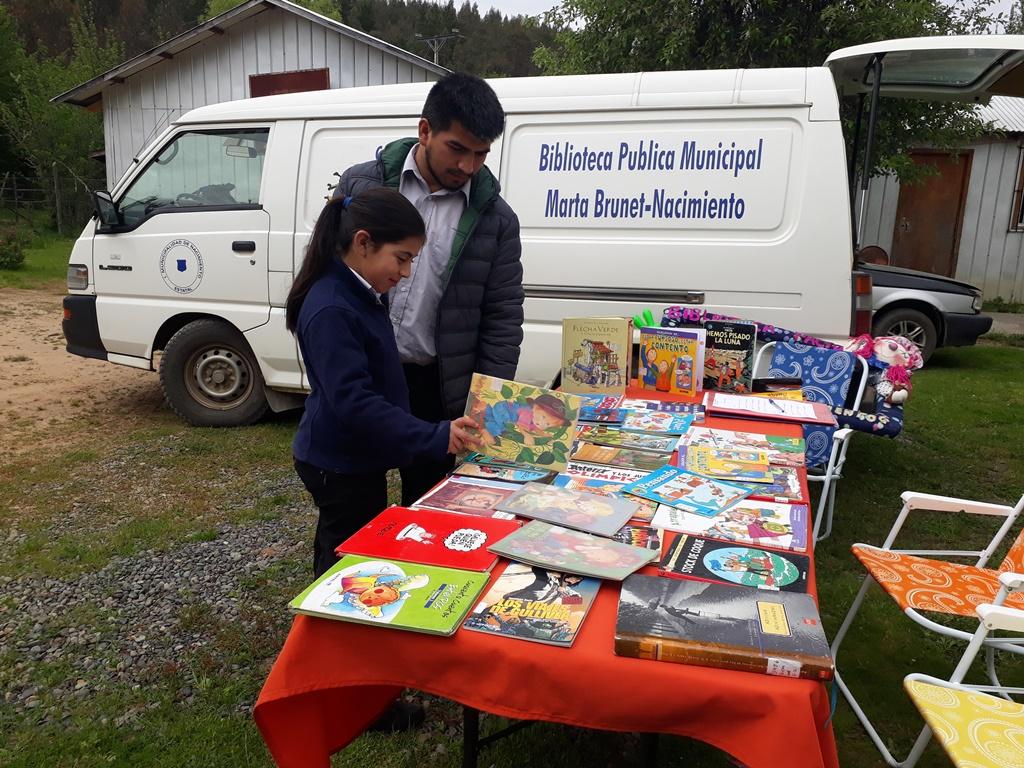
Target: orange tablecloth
<point>333,679</point>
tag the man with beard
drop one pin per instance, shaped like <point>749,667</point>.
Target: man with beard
<point>461,309</point>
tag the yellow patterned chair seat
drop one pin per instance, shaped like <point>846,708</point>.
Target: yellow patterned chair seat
<point>976,730</point>
<point>933,585</point>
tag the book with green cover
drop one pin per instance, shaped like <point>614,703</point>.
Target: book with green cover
<point>392,593</point>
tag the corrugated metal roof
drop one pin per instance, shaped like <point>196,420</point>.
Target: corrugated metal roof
<point>1005,112</point>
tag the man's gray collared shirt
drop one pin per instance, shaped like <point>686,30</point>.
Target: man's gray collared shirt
<point>415,299</point>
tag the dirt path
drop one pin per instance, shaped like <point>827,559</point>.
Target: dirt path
<point>48,396</point>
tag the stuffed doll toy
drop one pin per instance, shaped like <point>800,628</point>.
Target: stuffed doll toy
<point>892,359</point>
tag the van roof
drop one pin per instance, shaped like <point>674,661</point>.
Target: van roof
<point>724,87</point>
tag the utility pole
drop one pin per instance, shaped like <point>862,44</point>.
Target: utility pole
<point>437,42</point>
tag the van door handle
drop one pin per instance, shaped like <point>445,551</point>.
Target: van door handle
<point>243,246</point>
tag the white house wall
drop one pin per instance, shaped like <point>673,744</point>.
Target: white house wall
<point>218,69</point>
<point>989,257</point>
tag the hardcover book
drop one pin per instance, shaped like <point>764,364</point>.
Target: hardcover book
<point>531,603</point>
<point>619,457</point>
<point>716,625</point>
<point>602,487</point>
<point>502,473</point>
<point>742,465</point>
<point>638,441</point>
<point>430,537</point>
<point>643,536</point>
<point>685,490</point>
<point>657,422</point>
<point>601,472</point>
<point>595,513</point>
<point>784,451</point>
<point>729,358</point>
<point>596,354</point>
<point>785,486</point>
<point>468,495</point>
<point>727,562</point>
<point>592,415</point>
<point>667,406</point>
<point>761,523</point>
<point>523,423</point>
<point>700,336</point>
<point>667,361</point>
<point>568,551</point>
<point>600,401</point>
<point>392,593</point>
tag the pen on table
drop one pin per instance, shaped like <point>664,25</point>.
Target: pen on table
<point>778,407</point>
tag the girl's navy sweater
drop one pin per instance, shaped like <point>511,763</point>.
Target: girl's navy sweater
<point>357,416</point>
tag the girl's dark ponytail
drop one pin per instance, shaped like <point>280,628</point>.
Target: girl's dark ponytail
<point>384,213</point>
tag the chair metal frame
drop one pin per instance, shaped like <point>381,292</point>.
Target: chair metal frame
<point>992,616</point>
<point>829,474</point>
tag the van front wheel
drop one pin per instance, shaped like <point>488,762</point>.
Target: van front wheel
<point>210,377</point>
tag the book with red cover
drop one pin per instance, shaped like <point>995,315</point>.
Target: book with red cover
<point>771,409</point>
<point>430,537</point>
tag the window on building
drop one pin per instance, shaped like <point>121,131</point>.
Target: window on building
<point>1017,208</point>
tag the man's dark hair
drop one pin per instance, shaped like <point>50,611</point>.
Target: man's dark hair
<point>468,100</point>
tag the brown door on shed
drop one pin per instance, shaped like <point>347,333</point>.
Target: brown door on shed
<point>929,215</point>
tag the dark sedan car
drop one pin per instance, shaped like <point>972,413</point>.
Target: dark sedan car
<point>930,310</point>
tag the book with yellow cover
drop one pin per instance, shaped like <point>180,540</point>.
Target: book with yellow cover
<point>668,360</point>
<point>596,354</point>
<point>743,465</point>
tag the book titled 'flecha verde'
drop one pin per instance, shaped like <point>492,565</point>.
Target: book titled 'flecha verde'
<point>392,593</point>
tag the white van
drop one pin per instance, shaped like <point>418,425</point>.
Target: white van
<point>718,189</point>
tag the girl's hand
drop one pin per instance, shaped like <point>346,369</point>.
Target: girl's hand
<point>463,435</point>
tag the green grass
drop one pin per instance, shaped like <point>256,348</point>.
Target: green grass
<point>167,483</point>
<point>46,263</point>
<point>999,305</point>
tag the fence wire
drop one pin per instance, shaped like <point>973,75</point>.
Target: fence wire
<point>65,197</point>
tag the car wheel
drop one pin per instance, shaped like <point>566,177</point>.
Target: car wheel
<point>910,323</point>
<point>210,376</point>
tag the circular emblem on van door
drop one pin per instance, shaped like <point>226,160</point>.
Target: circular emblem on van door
<point>181,266</point>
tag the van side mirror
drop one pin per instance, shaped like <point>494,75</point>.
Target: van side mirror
<point>106,209</point>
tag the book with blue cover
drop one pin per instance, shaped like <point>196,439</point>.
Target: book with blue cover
<point>686,490</point>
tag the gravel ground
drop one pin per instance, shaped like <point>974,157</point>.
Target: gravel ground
<point>139,615</point>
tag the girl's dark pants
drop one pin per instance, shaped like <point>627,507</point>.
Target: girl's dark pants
<point>346,504</point>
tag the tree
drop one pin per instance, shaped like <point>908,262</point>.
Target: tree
<point>632,35</point>
<point>327,8</point>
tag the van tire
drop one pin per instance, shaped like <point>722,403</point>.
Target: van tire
<point>210,377</point>
<point>911,323</point>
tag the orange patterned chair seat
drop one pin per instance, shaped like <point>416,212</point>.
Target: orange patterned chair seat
<point>932,585</point>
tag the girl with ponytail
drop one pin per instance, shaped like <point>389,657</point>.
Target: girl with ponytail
<point>357,424</point>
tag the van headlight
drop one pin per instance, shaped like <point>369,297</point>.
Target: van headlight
<point>976,304</point>
<point>78,277</point>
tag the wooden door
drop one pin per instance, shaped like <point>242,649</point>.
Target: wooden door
<point>929,215</point>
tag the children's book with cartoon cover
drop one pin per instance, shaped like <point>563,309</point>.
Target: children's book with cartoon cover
<point>718,625</point>
<point>668,359</point>
<point>657,422</point>
<point>430,537</point>
<point>761,523</point>
<point>600,401</point>
<point>604,487</point>
<point>393,593</point>
<point>568,551</point>
<point>729,562</point>
<point>637,441</point>
<point>618,457</point>
<point>742,465</point>
<point>596,354</point>
<point>591,415</point>
<point>685,490</point>
<point>502,473</point>
<point>729,356</point>
<point>523,423</point>
<point>666,406</point>
<point>785,487</point>
<point>591,512</point>
<point>784,451</point>
<point>532,603</point>
<point>700,335</point>
<point>643,536</point>
<point>468,495</point>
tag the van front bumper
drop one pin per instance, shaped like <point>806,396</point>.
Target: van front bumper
<point>964,330</point>
<point>81,329</point>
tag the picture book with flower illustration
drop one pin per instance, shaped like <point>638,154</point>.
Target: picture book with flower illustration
<point>468,495</point>
<point>591,512</point>
<point>728,562</point>
<point>532,603</point>
<point>761,523</point>
<point>393,593</point>
<point>523,423</point>
<point>685,490</point>
<point>568,551</point>
<point>596,354</point>
<point>429,536</point>
<point>668,360</point>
